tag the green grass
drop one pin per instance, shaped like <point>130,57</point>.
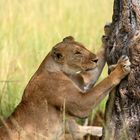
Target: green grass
<point>30,28</point>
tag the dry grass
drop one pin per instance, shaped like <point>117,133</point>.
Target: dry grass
<point>28,30</point>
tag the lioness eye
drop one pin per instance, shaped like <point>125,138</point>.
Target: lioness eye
<point>77,52</point>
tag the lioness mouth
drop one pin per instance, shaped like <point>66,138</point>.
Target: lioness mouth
<point>84,70</point>
<point>89,69</point>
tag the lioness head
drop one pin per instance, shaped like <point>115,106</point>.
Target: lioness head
<point>73,57</point>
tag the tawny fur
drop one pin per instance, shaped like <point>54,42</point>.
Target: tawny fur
<point>62,84</point>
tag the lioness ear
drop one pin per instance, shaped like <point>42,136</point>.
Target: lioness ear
<point>57,55</point>
<point>68,39</point>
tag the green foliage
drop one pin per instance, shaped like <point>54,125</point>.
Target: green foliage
<point>30,28</point>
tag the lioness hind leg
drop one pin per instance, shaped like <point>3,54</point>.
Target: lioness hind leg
<point>78,131</point>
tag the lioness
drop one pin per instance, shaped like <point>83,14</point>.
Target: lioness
<point>61,85</point>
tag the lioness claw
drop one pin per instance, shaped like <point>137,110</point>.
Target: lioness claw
<point>125,63</point>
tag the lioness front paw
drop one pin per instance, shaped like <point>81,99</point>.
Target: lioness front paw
<point>125,63</point>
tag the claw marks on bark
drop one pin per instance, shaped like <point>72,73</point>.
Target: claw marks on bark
<point>134,77</point>
<point>123,38</point>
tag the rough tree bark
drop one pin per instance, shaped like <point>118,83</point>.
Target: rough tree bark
<point>123,38</point>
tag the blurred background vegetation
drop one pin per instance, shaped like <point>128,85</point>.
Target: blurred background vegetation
<point>30,28</point>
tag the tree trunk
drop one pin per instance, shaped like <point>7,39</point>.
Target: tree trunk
<point>122,117</point>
